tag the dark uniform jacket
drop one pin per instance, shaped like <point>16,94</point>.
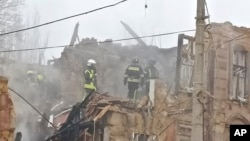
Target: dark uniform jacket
<point>151,72</point>
<point>134,73</point>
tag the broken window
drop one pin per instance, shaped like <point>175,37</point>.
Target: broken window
<point>187,66</point>
<point>239,74</point>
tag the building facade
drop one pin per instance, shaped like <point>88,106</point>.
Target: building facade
<point>226,79</point>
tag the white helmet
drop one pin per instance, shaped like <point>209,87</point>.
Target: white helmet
<point>90,62</point>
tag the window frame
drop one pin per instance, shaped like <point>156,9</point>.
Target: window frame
<point>241,74</point>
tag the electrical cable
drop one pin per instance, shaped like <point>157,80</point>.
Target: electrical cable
<point>117,40</point>
<point>62,19</point>
<point>174,119</point>
<point>235,38</point>
<point>219,94</point>
<point>32,106</point>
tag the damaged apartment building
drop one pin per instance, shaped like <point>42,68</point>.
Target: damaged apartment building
<point>169,116</point>
<point>226,79</point>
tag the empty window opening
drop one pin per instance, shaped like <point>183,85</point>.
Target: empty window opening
<point>239,74</point>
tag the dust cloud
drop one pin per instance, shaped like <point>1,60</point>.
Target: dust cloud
<point>28,121</point>
<point>112,60</point>
<point>64,80</point>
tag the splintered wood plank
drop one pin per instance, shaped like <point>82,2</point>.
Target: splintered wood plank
<point>104,110</point>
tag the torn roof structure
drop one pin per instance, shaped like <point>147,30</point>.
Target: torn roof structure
<point>227,80</point>
<point>113,118</point>
<point>227,96</point>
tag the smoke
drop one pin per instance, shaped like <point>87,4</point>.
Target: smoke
<point>112,60</point>
<point>27,118</point>
<point>64,81</point>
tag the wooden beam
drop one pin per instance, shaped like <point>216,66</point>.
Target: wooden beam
<point>102,113</point>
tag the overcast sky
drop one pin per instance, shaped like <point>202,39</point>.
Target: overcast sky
<point>161,16</point>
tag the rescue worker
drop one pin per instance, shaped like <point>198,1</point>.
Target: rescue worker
<point>31,83</point>
<point>134,76</point>
<point>41,85</point>
<point>31,77</point>
<point>40,78</point>
<point>151,72</point>
<point>90,77</point>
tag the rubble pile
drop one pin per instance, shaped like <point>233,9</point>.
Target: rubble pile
<point>123,117</point>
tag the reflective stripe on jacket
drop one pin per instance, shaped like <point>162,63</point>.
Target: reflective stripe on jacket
<point>90,81</point>
<point>134,68</point>
<point>133,80</point>
<point>40,77</point>
<point>134,73</point>
<point>90,86</point>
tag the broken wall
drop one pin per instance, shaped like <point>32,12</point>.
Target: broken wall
<point>223,42</point>
<point>123,122</point>
<point>112,61</point>
<point>226,78</point>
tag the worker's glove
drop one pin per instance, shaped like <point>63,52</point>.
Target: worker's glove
<point>125,81</point>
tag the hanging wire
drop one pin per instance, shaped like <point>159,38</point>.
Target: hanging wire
<point>62,19</point>
<point>117,40</point>
<point>146,6</point>
<point>32,106</point>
